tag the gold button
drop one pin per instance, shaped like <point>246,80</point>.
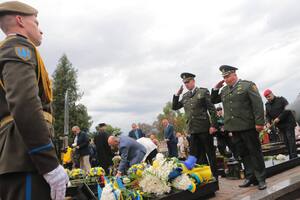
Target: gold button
<point>232,117</point>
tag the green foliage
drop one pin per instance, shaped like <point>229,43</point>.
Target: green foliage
<point>177,118</point>
<point>65,78</point>
<point>146,128</point>
<point>113,130</point>
<point>109,130</point>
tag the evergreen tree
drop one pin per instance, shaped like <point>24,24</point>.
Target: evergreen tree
<point>65,78</point>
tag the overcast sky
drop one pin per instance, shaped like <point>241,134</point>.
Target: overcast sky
<point>129,54</point>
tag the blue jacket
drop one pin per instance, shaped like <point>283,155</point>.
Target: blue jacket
<point>169,134</point>
<point>131,153</point>
<point>139,132</point>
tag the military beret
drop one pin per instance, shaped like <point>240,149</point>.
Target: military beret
<point>17,7</point>
<point>226,69</point>
<point>267,92</point>
<point>187,76</point>
<point>101,125</point>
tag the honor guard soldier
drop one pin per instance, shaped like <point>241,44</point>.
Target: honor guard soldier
<point>196,102</point>
<point>244,118</point>
<point>29,167</point>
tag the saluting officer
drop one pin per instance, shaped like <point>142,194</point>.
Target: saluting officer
<point>29,167</point>
<point>244,117</point>
<point>196,102</point>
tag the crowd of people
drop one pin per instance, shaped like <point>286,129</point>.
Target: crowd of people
<point>100,150</point>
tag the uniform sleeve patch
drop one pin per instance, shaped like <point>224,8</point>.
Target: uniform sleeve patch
<point>23,52</point>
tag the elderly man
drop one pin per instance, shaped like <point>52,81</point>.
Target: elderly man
<point>244,118</point>
<point>136,132</point>
<point>82,148</point>
<point>283,119</point>
<point>131,152</point>
<point>29,167</point>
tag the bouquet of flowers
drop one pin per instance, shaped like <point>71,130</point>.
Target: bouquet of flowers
<point>155,179</point>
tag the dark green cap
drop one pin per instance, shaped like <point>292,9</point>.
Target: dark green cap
<point>227,69</point>
<point>101,125</point>
<point>16,7</point>
<point>187,76</point>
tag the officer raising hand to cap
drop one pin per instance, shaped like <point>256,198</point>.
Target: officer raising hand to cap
<point>29,167</point>
<point>196,103</point>
<point>244,117</point>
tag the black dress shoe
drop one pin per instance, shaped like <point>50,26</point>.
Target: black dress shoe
<point>248,182</point>
<point>262,185</point>
<point>255,182</point>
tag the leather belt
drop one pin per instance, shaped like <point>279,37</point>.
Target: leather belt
<point>47,116</point>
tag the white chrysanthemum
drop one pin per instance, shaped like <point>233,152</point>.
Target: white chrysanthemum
<point>160,157</point>
<point>162,168</point>
<point>182,182</point>
<point>108,193</point>
<point>153,184</point>
<point>280,157</point>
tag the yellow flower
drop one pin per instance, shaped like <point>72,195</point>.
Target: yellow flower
<point>155,164</point>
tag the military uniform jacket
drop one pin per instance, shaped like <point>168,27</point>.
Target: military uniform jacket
<point>25,143</point>
<point>196,105</point>
<point>243,106</point>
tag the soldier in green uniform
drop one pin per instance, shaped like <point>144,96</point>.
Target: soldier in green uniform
<point>196,102</point>
<point>244,117</point>
<point>29,167</point>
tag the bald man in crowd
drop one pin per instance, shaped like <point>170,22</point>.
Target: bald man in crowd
<point>130,150</point>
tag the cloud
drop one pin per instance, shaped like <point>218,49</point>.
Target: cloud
<point>129,54</point>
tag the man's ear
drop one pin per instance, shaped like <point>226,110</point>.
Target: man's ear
<point>20,20</point>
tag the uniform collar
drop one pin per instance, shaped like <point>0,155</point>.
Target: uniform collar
<point>193,90</point>
<point>16,34</point>
<point>236,83</point>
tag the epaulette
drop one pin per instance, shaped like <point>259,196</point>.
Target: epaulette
<point>246,81</point>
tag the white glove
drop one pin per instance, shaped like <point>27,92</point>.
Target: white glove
<point>57,179</point>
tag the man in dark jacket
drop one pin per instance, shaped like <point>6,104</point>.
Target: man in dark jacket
<point>82,148</point>
<point>283,119</point>
<point>104,152</point>
<point>136,132</point>
<point>223,138</point>
<point>170,138</point>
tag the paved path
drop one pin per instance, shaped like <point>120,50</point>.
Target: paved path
<point>229,189</point>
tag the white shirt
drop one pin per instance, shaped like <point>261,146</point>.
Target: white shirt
<point>148,144</point>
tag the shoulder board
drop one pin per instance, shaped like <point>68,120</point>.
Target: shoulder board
<point>204,89</point>
<point>246,81</point>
